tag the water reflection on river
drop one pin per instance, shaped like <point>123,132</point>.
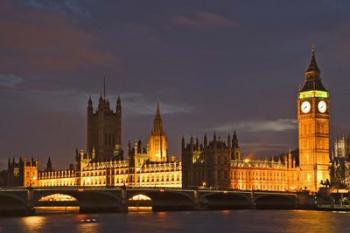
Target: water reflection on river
<point>258,221</point>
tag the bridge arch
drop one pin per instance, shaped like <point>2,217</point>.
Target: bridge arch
<point>10,199</point>
<point>275,201</point>
<point>224,200</point>
<point>161,199</point>
<point>13,203</point>
<point>87,200</point>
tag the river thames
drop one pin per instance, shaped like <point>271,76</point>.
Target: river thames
<point>258,221</point>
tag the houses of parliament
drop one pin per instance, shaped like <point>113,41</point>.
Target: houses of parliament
<point>213,163</point>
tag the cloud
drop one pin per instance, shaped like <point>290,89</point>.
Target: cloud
<point>10,80</point>
<point>255,146</point>
<point>48,41</point>
<point>204,20</point>
<point>76,102</point>
<point>67,6</point>
<point>137,104</point>
<point>278,125</point>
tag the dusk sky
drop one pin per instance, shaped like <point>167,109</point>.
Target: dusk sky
<point>212,65</point>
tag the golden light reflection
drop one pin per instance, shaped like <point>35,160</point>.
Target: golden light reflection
<point>33,223</point>
<point>140,209</point>
<point>56,209</point>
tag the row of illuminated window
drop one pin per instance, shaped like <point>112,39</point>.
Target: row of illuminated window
<point>124,171</point>
<point>57,174</point>
<point>260,187</point>
<point>104,165</point>
<point>102,181</point>
<point>271,175</point>
<point>58,182</point>
<point>123,164</point>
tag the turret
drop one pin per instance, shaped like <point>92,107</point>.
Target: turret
<point>129,147</point>
<point>205,140</point>
<point>93,153</point>
<point>77,157</point>
<point>191,143</point>
<point>139,147</point>
<point>90,107</point>
<point>290,165</point>
<point>235,140</point>
<point>118,106</point>
<point>100,103</point>
<point>236,151</point>
<point>229,141</point>
<point>49,165</point>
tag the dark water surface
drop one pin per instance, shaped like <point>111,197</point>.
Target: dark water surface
<point>201,221</point>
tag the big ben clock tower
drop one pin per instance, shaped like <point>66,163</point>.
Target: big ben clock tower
<point>313,123</point>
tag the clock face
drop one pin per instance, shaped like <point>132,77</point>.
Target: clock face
<point>322,106</point>
<point>305,106</point>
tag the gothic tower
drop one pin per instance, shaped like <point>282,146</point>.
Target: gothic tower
<point>313,124</point>
<point>104,130</point>
<point>158,144</point>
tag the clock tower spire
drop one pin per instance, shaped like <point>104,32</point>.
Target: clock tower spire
<point>313,127</point>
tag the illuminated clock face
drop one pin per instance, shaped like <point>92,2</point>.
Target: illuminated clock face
<point>305,107</point>
<point>322,106</point>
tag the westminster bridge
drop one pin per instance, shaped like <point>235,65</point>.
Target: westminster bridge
<point>105,199</point>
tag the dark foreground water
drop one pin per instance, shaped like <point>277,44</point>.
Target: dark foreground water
<point>202,221</point>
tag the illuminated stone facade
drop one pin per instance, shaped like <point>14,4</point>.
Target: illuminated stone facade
<point>149,167</point>
<point>265,175</point>
<point>208,164</point>
<point>217,164</point>
<point>22,173</point>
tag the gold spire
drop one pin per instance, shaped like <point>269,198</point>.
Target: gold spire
<point>158,123</point>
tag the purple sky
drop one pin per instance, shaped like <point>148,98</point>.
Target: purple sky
<point>212,65</point>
